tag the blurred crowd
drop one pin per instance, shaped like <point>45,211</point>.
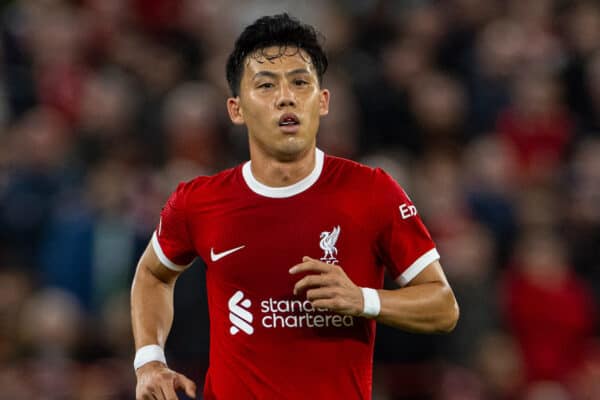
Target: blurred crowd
<point>486,111</point>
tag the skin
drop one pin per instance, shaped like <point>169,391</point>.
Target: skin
<point>152,316</point>
<point>271,87</point>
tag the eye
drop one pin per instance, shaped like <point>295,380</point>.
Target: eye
<point>266,85</point>
<point>300,82</point>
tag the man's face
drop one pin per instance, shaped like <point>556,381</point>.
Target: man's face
<point>280,102</point>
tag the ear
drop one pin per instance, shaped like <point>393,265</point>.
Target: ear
<point>324,102</point>
<point>235,110</point>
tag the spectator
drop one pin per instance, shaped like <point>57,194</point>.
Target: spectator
<point>553,339</point>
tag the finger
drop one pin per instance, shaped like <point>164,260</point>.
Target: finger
<point>187,385</point>
<point>150,395</point>
<point>168,391</point>
<point>311,281</point>
<point>310,265</point>
<point>319,293</point>
<point>328,304</point>
<point>145,396</point>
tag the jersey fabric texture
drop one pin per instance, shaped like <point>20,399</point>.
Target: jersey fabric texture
<point>267,343</point>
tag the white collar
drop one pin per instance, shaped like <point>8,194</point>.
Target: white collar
<point>284,191</point>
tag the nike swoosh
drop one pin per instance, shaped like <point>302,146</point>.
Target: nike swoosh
<point>217,256</point>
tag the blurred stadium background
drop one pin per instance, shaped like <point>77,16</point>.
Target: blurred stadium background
<point>486,111</point>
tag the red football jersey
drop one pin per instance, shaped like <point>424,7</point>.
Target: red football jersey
<point>267,343</point>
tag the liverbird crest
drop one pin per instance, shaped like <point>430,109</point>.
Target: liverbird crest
<point>327,244</point>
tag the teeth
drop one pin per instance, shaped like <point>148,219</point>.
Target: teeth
<point>287,120</point>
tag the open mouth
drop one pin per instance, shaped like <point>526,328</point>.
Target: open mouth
<point>289,120</point>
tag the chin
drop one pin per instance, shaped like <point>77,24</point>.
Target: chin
<point>292,149</point>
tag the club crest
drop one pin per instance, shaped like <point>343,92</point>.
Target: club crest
<point>327,244</point>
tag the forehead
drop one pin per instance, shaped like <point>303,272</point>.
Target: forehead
<point>278,59</point>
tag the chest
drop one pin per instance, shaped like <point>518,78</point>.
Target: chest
<point>252,245</point>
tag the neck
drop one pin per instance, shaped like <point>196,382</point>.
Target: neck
<point>274,172</point>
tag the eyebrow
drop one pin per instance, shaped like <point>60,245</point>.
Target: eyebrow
<point>270,74</point>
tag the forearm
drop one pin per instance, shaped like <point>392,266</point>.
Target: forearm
<point>427,305</point>
<point>424,308</point>
<point>151,308</point>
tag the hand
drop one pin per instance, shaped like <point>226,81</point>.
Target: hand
<point>329,287</point>
<point>155,381</point>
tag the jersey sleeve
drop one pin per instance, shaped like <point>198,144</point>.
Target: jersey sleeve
<point>404,243</point>
<point>171,240</point>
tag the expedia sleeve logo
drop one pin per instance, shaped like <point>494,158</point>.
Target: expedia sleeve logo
<point>407,210</point>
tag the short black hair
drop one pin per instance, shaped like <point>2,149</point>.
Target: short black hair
<point>275,30</point>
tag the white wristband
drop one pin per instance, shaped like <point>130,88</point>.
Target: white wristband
<point>372,305</point>
<point>149,353</point>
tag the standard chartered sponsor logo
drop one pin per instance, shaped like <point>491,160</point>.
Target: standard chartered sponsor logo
<point>282,314</point>
<point>299,314</point>
<point>239,315</point>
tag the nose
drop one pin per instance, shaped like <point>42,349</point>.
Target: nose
<point>286,97</point>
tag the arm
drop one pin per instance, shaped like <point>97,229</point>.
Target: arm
<point>425,305</point>
<point>151,317</point>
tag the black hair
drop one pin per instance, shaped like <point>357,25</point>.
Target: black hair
<point>275,30</point>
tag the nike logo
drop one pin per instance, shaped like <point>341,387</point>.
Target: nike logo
<point>217,256</point>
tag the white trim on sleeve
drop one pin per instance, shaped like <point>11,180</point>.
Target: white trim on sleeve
<point>163,258</point>
<point>418,266</point>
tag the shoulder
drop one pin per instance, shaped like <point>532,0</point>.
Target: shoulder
<point>373,186</point>
<point>349,169</point>
<point>358,173</point>
<point>202,187</point>
<point>204,183</point>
